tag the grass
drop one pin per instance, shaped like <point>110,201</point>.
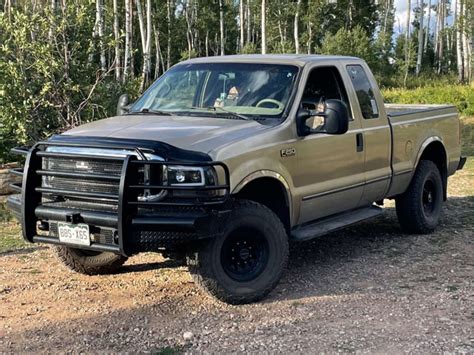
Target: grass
<point>10,237</point>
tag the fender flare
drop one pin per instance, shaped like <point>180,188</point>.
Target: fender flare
<point>267,174</point>
<point>425,144</point>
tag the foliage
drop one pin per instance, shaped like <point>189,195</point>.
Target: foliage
<point>52,76</point>
<point>47,83</point>
<point>459,95</point>
<point>353,42</point>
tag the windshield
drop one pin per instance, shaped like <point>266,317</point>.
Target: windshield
<point>244,90</point>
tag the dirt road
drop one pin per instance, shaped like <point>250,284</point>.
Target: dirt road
<point>368,288</point>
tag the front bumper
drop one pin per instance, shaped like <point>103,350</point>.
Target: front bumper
<point>133,226</point>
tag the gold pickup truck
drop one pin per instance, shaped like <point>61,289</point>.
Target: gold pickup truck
<point>225,160</point>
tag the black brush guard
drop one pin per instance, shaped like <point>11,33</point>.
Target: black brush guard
<point>129,224</point>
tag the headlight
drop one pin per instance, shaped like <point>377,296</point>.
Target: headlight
<point>185,176</point>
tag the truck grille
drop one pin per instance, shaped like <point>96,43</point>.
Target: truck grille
<point>81,176</point>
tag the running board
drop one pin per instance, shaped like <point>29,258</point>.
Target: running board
<point>330,224</point>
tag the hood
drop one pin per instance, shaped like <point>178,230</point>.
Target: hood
<point>202,134</point>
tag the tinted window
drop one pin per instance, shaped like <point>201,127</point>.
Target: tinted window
<point>364,91</point>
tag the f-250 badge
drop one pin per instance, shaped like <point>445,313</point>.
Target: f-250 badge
<point>288,152</point>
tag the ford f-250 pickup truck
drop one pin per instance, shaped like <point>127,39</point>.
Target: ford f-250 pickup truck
<point>225,160</point>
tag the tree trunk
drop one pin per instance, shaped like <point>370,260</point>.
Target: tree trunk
<point>141,24</point>
<point>100,33</point>
<point>117,59</point>
<point>248,22</point>
<point>466,44</point>
<point>459,42</point>
<point>157,51</point>
<point>51,26</point>
<point>241,24</point>
<point>168,47</point>
<point>310,36</point>
<point>264,32</point>
<point>221,26</point>
<point>128,40</point>
<point>407,43</point>
<point>442,14</point>
<point>419,58</point>
<point>296,27</point>
<point>147,48</point>
<point>427,31</point>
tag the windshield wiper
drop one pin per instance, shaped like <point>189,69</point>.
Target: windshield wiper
<point>147,111</point>
<point>221,109</point>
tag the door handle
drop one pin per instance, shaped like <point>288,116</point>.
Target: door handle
<point>360,142</point>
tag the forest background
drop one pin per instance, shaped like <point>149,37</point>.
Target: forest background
<point>66,62</point>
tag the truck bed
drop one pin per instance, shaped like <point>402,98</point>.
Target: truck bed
<point>415,126</point>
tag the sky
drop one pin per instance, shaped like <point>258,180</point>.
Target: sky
<point>401,14</point>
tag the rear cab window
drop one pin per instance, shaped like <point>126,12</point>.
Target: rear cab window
<point>364,91</point>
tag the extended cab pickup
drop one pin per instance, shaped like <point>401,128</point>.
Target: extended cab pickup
<point>225,160</point>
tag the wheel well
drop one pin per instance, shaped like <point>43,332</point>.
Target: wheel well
<point>437,154</point>
<point>271,193</point>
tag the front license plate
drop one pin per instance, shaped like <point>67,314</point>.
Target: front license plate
<point>74,233</point>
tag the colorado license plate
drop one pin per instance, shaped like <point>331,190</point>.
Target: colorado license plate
<point>74,233</point>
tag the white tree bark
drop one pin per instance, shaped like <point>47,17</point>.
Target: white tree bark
<point>296,27</point>
<point>117,60</point>
<point>241,24</point>
<point>249,37</point>
<point>128,40</point>
<point>168,47</point>
<point>221,26</point>
<point>459,40</point>
<point>100,33</point>
<point>407,43</point>
<point>264,32</point>
<point>419,58</point>
<point>428,24</point>
<point>465,44</point>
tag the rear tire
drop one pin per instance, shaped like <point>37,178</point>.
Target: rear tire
<point>247,260</point>
<point>90,262</point>
<point>419,208</point>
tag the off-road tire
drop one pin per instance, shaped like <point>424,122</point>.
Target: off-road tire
<point>90,263</point>
<point>209,267</point>
<point>411,205</point>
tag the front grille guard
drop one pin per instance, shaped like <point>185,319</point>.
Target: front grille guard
<point>129,188</point>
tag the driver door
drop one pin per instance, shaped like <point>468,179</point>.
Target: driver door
<point>330,174</point>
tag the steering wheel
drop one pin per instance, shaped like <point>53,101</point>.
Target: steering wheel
<point>279,105</point>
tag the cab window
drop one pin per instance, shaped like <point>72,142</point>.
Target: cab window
<point>364,91</point>
<point>324,83</point>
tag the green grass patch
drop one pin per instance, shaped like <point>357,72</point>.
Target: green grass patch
<point>10,237</point>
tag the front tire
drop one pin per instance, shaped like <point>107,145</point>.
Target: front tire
<point>90,262</point>
<point>247,260</point>
<point>419,208</point>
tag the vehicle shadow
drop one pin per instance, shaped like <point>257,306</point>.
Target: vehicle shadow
<point>354,259</point>
<point>143,267</point>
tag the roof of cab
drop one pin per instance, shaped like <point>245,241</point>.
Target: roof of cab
<point>294,59</point>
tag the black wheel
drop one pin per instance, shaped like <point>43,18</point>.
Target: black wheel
<point>90,262</point>
<point>419,208</point>
<point>246,262</point>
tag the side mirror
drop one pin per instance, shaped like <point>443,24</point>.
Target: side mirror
<point>332,119</point>
<point>123,105</point>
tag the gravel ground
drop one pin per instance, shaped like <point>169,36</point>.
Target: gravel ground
<point>368,288</point>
